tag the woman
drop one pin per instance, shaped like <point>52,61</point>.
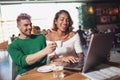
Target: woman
<point>68,43</point>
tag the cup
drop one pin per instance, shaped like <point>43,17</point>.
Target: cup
<point>49,42</point>
<point>58,73</point>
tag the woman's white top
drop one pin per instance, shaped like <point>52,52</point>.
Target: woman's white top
<point>67,48</point>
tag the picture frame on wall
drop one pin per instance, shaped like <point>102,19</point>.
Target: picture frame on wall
<point>105,19</point>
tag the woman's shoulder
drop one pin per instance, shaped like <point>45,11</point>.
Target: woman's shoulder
<point>51,35</point>
<point>72,33</point>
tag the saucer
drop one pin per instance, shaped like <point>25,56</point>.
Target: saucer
<point>45,69</point>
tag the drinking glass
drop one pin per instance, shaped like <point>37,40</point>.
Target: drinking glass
<point>58,73</point>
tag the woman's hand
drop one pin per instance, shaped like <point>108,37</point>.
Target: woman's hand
<point>68,59</point>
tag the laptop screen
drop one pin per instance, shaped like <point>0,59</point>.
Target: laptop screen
<point>100,45</point>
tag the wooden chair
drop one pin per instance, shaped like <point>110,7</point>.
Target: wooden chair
<point>3,50</point>
<point>3,45</point>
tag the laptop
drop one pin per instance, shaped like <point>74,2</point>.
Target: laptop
<point>99,46</point>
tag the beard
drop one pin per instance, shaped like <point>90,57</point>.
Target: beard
<point>26,33</point>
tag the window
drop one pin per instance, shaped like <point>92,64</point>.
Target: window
<point>42,15</point>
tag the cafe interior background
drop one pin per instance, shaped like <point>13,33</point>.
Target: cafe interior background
<point>100,14</point>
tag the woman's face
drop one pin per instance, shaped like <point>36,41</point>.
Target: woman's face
<point>62,22</point>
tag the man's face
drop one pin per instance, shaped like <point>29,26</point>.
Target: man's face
<point>25,26</point>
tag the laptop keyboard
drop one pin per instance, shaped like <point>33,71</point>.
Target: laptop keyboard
<point>74,66</point>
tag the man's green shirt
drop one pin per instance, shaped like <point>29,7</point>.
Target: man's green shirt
<point>20,48</point>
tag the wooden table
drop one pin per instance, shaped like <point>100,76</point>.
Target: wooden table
<point>35,75</point>
<point>69,75</point>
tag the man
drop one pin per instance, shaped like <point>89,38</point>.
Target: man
<point>13,38</point>
<point>37,30</point>
<point>28,51</point>
<point>82,34</point>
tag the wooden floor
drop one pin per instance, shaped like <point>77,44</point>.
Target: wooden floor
<point>5,71</point>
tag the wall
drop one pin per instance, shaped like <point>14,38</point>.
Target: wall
<point>103,16</point>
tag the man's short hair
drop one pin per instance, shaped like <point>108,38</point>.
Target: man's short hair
<point>23,16</point>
